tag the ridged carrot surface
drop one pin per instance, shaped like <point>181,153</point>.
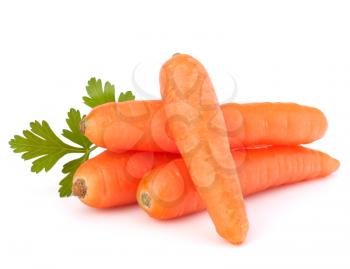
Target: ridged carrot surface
<point>142,125</point>
<point>167,191</point>
<point>197,125</point>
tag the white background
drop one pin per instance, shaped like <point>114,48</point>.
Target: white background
<point>292,51</point>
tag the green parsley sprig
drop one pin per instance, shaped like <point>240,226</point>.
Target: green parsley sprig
<point>46,148</point>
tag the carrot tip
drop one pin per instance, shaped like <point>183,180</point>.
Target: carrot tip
<point>82,125</point>
<point>146,200</point>
<point>79,188</point>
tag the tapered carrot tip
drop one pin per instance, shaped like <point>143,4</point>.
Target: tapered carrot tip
<point>235,234</point>
<point>79,188</point>
<point>330,165</point>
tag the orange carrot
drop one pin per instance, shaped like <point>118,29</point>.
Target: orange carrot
<point>167,191</point>
<point>141,125</point>
<point>197,125</point>
<point>111,179</point>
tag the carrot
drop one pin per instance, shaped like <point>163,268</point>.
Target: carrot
<point>199,131</point>
<point>167,191</point>
<point>111,179</point>
<point>141,125</point>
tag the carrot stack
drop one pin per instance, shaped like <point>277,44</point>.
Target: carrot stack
<point>186,153</point>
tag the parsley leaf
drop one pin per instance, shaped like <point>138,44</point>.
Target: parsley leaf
<point>46,148</point>
<point>43,145</point>
<point>127,96</point>
<point>99,95</point>
<point>41,142</point>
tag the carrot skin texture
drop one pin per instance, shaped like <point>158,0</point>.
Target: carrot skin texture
<point>274,124</point>
<point>258,170</point>
<point>142,125</point>
<point>198,127</point>
<point>111,179</point>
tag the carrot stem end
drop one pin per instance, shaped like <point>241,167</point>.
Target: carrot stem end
<point>146,200</point>
<point>79,188</point>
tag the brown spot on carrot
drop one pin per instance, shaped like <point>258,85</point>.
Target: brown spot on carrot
<point>79,188</point>
<point>146,200</point>
<point>177,53</point>
<point>82,125</point>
